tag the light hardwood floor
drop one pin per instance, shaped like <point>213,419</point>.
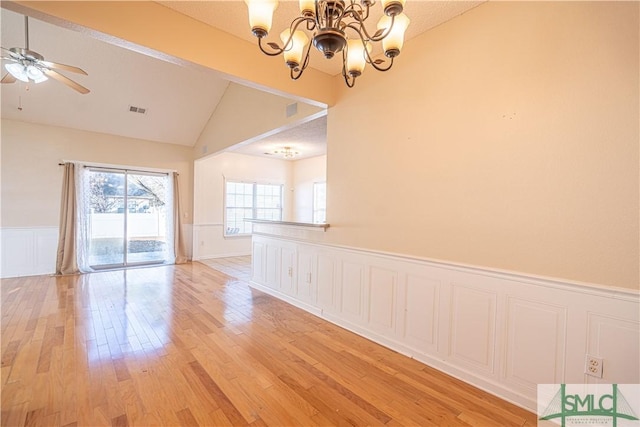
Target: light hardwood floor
<point>189,345</point>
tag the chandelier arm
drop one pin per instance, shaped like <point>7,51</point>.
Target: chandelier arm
<point>306,56</point>
<point>266,52</point>
<point>311,24</point>
<point>294,26</point>
<point>356,9</point>
<point>296,23</point>
<point>374,65</point>
<point>318,7</point>
<point>371,61</point>
<point>367,36</point>
<point>294,75</point>
<point>349,82</point>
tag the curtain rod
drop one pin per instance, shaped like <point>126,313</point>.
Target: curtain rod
<point>125,169</point>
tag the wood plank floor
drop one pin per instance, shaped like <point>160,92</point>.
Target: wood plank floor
<point>189,345</point>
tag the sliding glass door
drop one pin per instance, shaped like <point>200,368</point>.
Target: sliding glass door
<point>129,218</point>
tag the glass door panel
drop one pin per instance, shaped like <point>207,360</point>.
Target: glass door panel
<point>106,218</point>
<point>147,206</point>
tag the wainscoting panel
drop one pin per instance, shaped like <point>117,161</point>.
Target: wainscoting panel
<point>326,283</point>
<point>307,276</point>
<point>607,336</point>
<point>352,291</point>
<point>29,251</point>
<point>473,327</point>
<point>258,262</point>
<point>420,313</point>
<point>272,266</point>
<point>382,300</point>
<point>503,332</point>
<point>532,326</point>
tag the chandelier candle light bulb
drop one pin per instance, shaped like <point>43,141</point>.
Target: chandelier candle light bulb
<point>261,16</point>
<point>333,26</point>
<point>307,7</point>
<point>294,50</point>
<point>392,44</point>
<point>356,57</point>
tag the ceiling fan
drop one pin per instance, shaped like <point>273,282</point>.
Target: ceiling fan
<point>27,65</point>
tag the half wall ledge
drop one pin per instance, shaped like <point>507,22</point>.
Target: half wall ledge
<point>296,230</point>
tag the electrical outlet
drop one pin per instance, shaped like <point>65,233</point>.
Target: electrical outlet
<point>593,366</point>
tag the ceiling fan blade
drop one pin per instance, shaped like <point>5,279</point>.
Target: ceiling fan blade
<point>8,78</point>
<point>63,79</point>
<point>64,67</point>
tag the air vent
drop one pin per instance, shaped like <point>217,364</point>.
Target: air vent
<point>292,109</point>
<point>138,110</point>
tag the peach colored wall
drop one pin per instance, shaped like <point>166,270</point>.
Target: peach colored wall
<point>32,179</point>
<point>506,138</point>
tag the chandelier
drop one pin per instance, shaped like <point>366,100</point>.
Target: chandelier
<point>287,152</point>
<point>335,26</point>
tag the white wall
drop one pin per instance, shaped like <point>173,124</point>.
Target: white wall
<point>210,172</point>
<point>305,173</point>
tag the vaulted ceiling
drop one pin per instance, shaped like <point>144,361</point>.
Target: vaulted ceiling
<point>178,100</point>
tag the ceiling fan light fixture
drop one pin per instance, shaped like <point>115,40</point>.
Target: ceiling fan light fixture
<point>29,66</point>
<point>18,71</point>
<point>36,74</point>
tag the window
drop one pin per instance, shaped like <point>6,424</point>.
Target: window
<point>319,202</point>
<point>250,200</point>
